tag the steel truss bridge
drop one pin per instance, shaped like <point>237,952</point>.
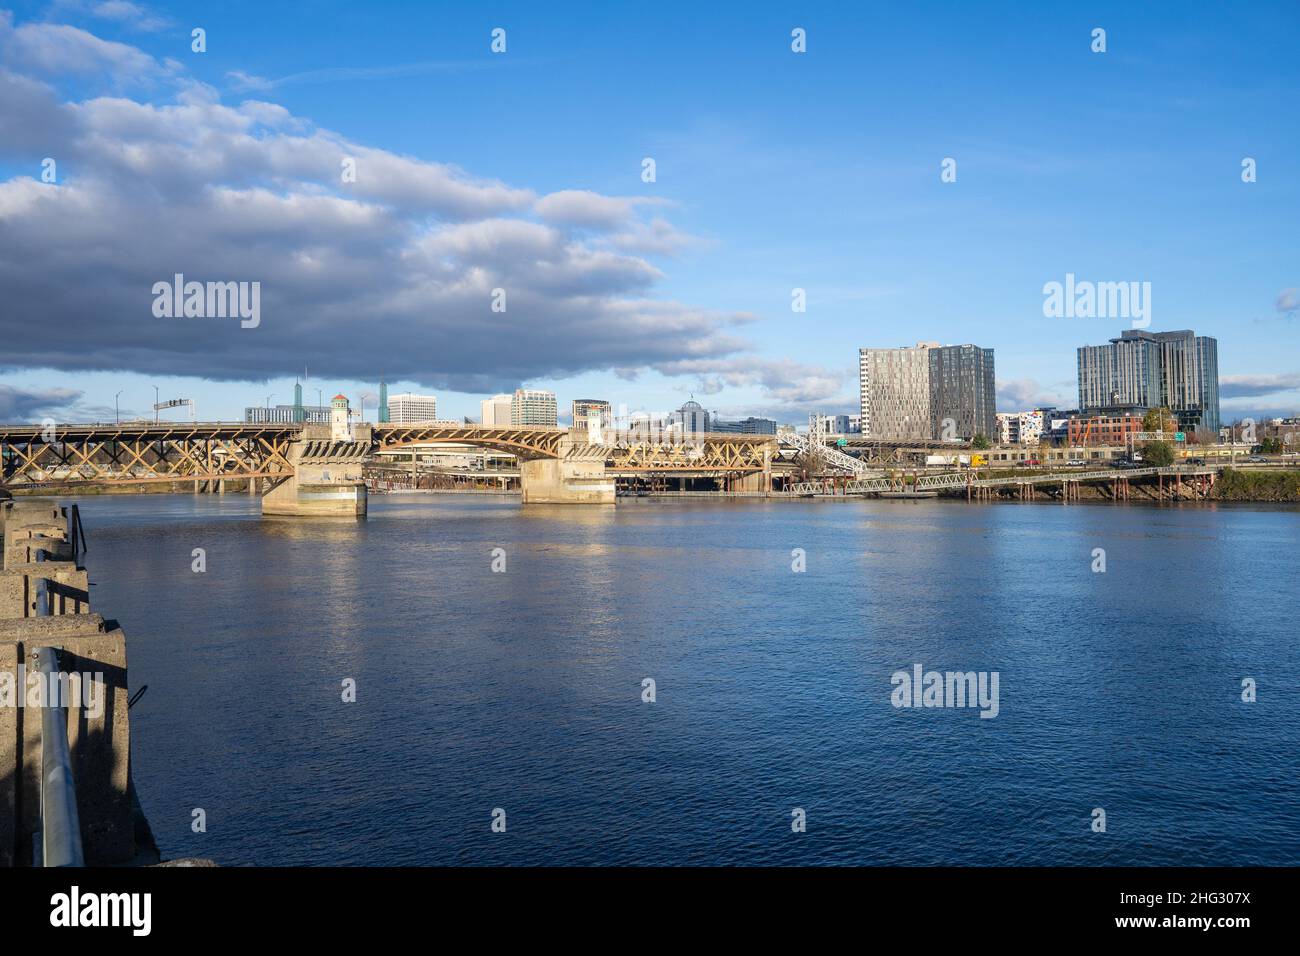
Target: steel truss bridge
<point>33,456</point>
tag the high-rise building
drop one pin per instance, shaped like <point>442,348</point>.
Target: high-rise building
<point>963,392</point>
<point>383,402</point>
<point>894,392</point>
<point>1141,370</point>
<point>532,406</point>
<point>496,410</point>
<point>407,409</point>
<point>691,417</point>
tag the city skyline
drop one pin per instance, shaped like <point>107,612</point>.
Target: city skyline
<point>652,291</point>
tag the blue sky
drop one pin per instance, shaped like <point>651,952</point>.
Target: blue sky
<point>775,170</point>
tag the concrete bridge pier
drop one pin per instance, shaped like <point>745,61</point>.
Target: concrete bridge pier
<point>326,481</point>
<point>577,477</point>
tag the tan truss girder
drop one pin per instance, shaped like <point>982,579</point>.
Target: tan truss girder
<point>140,454</point>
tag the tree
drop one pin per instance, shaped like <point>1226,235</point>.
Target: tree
<point>1272,445</point>
<point>1158,453</point>
<point>1159,420</point>
<point>980,441</point>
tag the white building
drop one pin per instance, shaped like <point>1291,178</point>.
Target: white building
<point>1020,428</point>
<point>496,410</point>
<point>407,409</point>
<point>533,406</point>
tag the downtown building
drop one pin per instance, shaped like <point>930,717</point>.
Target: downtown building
<point>917,393</point>
<point>533,406</point>
<point>496,410</point>
<point>691,418</point>
<point>746,426</point>
<point>1141,370</point>
<point>409,409</point>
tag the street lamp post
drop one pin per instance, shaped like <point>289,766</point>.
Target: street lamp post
<point>156,403</point>
<point>117,414</point>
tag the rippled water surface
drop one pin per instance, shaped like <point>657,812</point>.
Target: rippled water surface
<point>522,690</point>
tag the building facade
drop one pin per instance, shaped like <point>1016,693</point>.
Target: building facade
<point>1106,429</point>
<point>1141,370</point>
<point>287,414</point>
<point>691,418</point>
<point>746,426</point>
<point>533,406</point>
<point>894,392</point>
<point>407,409</point>
<point>963,392</point>
<point>587,409</point>
<point>1020,428</point>
<point>496,410</point>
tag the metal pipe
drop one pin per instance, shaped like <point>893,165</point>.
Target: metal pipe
<point>60,822</point>
<point>43,608</point>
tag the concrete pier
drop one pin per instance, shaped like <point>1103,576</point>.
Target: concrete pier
<point>566,481</point>
<point>40,546</point>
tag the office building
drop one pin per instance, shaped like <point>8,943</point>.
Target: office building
<point>407,409</point>
<point>496,410</point>
<point>286,414</point>
<point>691,418</point>
<point>746,426</point>
<point>533,406</point>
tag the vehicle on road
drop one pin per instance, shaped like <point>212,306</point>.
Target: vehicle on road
<point>1257,460</point>
<point>1076,462</point>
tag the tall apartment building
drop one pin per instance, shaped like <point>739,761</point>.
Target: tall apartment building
<point>1140,370</point>
<point>496,410</point>
<point>894,392</point>
<point>533,406</point>
<point>407,409</point>
<point>911,392</point>
<point>963,392</point>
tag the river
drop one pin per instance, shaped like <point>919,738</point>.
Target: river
<point>522,690</point>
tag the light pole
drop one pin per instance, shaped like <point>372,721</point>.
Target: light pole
<point>318,401</point>
<point>156,403</point>
<point>117,414</point>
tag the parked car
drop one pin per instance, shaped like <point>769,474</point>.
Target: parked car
<point>1076,462</point>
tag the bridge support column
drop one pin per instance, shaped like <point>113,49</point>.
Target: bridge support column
<point>565,481</point>
<point>324,486</point>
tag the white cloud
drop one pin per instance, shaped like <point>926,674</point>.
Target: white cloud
<point>393,271</point>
